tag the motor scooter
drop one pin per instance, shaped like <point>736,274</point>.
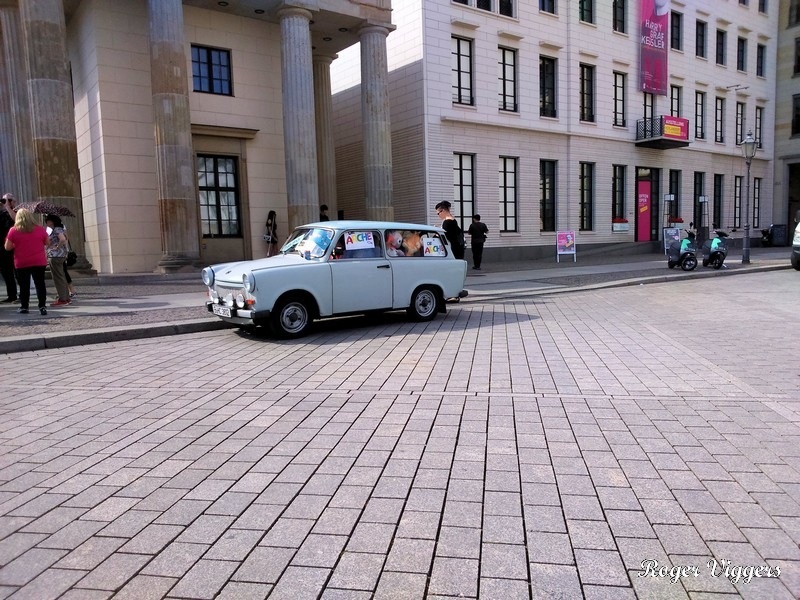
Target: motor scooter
<point>683,252</point>
<point>715,251</point>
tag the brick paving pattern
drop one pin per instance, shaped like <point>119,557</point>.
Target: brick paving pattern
<point>537,448</point>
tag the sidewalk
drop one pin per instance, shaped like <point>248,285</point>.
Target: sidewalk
<point>118,307</point>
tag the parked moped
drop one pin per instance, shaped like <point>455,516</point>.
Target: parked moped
<point>683,253</point>
<point>715,251</point>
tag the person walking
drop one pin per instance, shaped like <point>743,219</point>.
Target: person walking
<point>452,230</point>
<point>7,215</point>
<point>29,241</point>
<point>56,257</point>
<point>477,232</point>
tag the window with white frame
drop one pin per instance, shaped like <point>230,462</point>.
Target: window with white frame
<point>759,124</point>
<point>700,115</point>
<point>737,201</point>
<point>508,192</point>
<point>741,54</point>
<point>548,187</point>
<point>741,111</point>
<point>462,71</point>
<point>619,16</point>
<point>547,87</point>
<point>675,101</point>
<point>507,64</point>
<point>501,7</point>
<point>586,197</point>
<point>756,201</point>
<point>618,191</point>
<point>463,186</point>
<point>620,84</point>
<point>700,39</point>
<point>719,120</point>
<point>587,92</point>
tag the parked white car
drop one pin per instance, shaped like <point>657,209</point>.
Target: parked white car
<point>337,268</point>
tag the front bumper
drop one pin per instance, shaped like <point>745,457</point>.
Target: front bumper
<point>237,316</point>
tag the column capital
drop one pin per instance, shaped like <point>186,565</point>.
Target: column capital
<point>375,28</point>
<point>294,11</point>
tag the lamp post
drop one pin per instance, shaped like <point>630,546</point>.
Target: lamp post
<point>749,150</point>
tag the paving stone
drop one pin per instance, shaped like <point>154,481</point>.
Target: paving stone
<point>401,586</point>
<point>205,579</point>
<point>454,577</point>
<point>267,565</point>
<point>356,571</point>
<point>175,560</point>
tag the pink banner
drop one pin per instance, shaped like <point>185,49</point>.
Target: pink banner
<point>654,27</point>
<point>643,212</point>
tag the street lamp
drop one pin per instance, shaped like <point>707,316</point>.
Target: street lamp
<point>749,147</point>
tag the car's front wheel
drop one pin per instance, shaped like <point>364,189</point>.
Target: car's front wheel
<point>424,304</point>
<point>292,317</point>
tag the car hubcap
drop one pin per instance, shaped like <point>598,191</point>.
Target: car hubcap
<point>293,318</point>
<point>425,303</point>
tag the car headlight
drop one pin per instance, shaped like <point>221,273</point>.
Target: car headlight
<point>208,276</point>
<point>240,300</point>
<point>249,282</point>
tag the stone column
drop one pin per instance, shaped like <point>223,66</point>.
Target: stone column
<point>326,150</point>
<point>377,123</point>
<point>53,114</point>
<point>8,166</point>
<point>300,144</point>
<point>175,167</point>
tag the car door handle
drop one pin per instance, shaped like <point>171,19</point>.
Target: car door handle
<point>383,266</point>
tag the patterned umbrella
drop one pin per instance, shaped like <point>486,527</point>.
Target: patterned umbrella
<point>45,208</point>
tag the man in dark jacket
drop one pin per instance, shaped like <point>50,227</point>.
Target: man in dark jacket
<point>7,213</point>
<point>477,232</point>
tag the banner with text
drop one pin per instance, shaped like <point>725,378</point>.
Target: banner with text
<point>654,29</point>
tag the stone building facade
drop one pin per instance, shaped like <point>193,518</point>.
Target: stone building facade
<point>532,114</point>
<point>172,129</point>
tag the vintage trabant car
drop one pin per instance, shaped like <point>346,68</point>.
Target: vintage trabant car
<point>335,268</point>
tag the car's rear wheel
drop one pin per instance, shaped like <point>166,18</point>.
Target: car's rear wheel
<point>424,304</point>
<point>292,317</point>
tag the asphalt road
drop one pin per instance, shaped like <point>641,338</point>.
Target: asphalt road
<point>543,447</point>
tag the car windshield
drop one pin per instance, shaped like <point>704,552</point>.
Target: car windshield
<point>314,240</point>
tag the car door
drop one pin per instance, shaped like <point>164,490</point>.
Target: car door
<point>361,275</point>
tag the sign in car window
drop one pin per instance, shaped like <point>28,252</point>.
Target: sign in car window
<point>433,246</point>
<point>358,240</point>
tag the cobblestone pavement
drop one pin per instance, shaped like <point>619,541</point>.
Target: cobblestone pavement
<point>538,448</point>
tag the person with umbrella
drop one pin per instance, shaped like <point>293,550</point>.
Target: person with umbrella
<point>29,240</point>
<point>56,257</point>
<point>7,216</point>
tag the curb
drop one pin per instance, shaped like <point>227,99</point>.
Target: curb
<point>46,341</point>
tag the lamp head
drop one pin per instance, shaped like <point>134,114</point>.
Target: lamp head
<point>749,146</point>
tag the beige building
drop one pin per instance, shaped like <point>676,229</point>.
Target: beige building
<point>532,114</point>
<point>172,129</point>
<point>787,117</point>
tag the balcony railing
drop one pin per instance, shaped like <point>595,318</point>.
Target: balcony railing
<point>662,132</point>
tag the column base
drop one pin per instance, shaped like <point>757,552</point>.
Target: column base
<point>176,264</point>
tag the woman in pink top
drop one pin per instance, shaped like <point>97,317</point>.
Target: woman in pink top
<point>29,240</point>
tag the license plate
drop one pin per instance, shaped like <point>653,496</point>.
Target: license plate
<point>222,311</point>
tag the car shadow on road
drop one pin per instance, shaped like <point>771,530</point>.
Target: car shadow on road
<point>337,329</point>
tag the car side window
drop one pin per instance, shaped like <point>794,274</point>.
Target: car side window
<point>419,244</point>
<point>358,244</point>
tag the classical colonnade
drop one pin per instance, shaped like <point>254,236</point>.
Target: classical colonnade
<point>38,147</point>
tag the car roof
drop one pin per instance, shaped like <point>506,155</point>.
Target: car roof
<point>356,224</point>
